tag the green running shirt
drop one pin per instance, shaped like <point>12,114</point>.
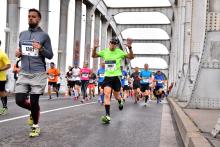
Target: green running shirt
<point>112,61</point>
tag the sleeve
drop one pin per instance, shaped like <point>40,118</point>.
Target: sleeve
<point>122,54</point>
<point>101,53</point>
<point>97,73</point>
<point>5,59</point>
<point>58,72</point>
<point>47,51</point>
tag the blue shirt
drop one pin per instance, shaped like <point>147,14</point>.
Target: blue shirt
<point>145,75</point>
<point>100,74</point>
<point>159,79</point>
<point>124,77</point>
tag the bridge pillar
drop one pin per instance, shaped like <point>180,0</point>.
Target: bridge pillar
<point>96,36</point>
<point>104,26</point>
<point>13,25</point>
<point>63,35</point>
<point>88,33</point>
<point>77,32</point>
<point>44,9</point>
<point>186,84</point>
<point>207,76</point>
<point>109,34</point>
<point>12,31</point>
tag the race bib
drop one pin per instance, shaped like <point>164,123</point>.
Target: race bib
<point>51,77</point>
<point>146,80</point>
<point>91,81</point>
<point>160,81</point>
<point>28,50</point>
<point>110,65</point>
<point>70,78</point>
<point>85,75</point>
<point>101,75</point>
<point>126,82</point>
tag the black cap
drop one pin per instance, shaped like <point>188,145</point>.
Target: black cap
<point>114,41</point>
<point>51,62</point>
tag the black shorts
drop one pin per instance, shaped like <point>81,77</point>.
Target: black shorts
<point>126,87</point>
<point>136,86</point>
<point>113,82</point>
<point>70,84</point>
<point>145,87</point>
<point>54,84</point>
<point>77,82</point>
<point>2,86</point>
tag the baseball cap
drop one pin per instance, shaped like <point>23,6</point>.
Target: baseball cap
<point>114,41</point>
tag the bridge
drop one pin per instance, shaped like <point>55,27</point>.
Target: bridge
<point>186,45</point>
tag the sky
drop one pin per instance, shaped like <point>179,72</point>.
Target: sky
<point>123,18</point>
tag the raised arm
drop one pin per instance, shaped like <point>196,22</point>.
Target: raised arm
<point>130,55</point>
<point>96,45</point>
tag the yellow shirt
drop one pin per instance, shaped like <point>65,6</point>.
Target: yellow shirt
<point>3,61</point>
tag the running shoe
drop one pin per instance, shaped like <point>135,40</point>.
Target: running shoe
<point>106,119</point>
<point>4,111</point>
<point>30,121</point>
<point>50,97</point>
<point>1,110</point>
<point>35,131</point>
<point>82,101</point>
<point>121,105</point>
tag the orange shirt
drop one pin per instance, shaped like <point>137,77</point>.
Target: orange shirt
<point>53,74</point>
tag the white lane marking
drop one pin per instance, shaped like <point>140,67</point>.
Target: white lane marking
<point>48,111</point>
<point>12,101</point>
<point>167,134</point>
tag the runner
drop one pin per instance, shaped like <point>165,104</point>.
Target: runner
<point>124,84</point>
<point>84,74</point>
<point>16,68</point>
<point>136,84</point>
<point>158,90</point>
<point>70,80</point>
<point>4,65</point>
<point>145,76</point>
<point>34,47</point>
<point>76,81</point>
<point>100,75</point>
<point>53,74</point>
<point>112,56</point>
<point>92,84</point>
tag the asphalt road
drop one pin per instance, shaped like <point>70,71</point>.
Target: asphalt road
<point>65,123</point>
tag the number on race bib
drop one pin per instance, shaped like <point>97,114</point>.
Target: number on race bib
<point>51,77</point>
<point>146,80</point>
<point>102,75</point>
<point>160,81</point>
<point>110,65</point>
<point>28,50</point>
<point>85,75</point>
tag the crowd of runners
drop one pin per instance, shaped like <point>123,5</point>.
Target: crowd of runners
<point>111,80</point>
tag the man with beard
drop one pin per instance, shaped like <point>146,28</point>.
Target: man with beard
<point>34,47</point>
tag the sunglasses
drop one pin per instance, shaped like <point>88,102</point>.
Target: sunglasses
<point>113,42</point>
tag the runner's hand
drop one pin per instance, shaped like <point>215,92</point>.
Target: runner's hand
<point>36,45</point>
<point>96,43</point>
<point>129,42</point>
<point>18,52</point>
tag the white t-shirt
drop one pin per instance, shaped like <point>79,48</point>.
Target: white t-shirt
<point>76,74</point>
